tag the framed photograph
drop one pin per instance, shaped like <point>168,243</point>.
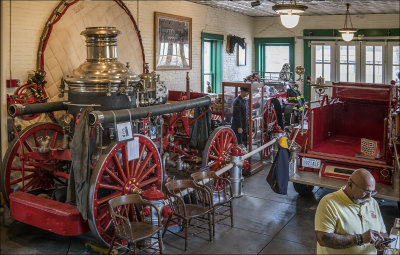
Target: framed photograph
<point>172,42</point>
<point>241,55</point>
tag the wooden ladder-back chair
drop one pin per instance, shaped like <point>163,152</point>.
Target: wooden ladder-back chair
<point>221,194</point>
<point>133,222</point>
<point>191,207</point>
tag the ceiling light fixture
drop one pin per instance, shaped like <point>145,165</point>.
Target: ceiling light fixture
<point>347,32</point>
<point>255,3</point>
<point>289,13</point>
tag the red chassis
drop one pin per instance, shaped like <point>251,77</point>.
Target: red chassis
<point>331,145</point>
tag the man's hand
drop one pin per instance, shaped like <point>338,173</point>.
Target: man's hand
<point>379,246</point>
<point>371,236</point>
<point>240,130</point>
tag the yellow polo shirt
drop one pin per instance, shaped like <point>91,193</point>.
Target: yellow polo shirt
<point>336,213</point>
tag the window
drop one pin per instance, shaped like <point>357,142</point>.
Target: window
<point>211,79</point>
<point>323,60</point>
<point>347,63</point>
<point>393,61</point>
<point>272,53</point>
<point>372,62</point>
<point>275,57</point>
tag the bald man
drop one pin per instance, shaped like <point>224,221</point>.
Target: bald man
<point>349,221</point>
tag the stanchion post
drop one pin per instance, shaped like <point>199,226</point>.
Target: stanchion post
<point>236,174</point>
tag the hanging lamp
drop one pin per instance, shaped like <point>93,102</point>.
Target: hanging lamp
<point>347,32</point>
<point>289,13</point>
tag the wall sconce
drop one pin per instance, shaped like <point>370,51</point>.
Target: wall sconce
<point>289,13</point>
<point>347,32</point>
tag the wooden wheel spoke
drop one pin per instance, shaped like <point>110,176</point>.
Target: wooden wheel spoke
<point>29,184</point>
<point>143,165</point>
<point>214,149</point>
<point>25,169</point>
<point>112,175</point>
<point>103,214</point>
<point>213,163</point>
<point>119,167</point>
<point>125,160</point>
<point>149,170</point>
<point>138,160</point>
<point>46,132</point>
<point>131,167</point>
<point>229,141</point>
<point>147,182</point>
<point>35,137</point>
<point>112,187</point>
<point>27,146</point>
<point>106,198</point>
<point>218,141</point>
<point>213,157</point>
<point>25,178</point>
<point>54,140</point>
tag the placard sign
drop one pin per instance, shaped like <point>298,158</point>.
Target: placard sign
<point>124,131</point>
<point>133,149</point>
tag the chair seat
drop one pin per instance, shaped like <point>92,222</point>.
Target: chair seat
<point>193,211</point>
<point>219,199</point>
<point>140,230</point>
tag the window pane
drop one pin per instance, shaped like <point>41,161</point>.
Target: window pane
<point>343,72</point>
<point>352,54</point>
<point>343,54</point>
<point>369,73</point>
<point>369,54</point>
<point>318,54</point>
<point>275,57</point>
<point>378,55</point>
<point>318,71</point>
<point>327,72</point>
<point>327,53</point>
<point>378,74</point>
<point>352,73</point>
<point>396,55</point>
<point>396,69</point>
<point>207,83</point>
<point>207,57</point>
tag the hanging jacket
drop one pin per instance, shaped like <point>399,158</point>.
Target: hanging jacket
<point>294,96</point>
<point>278,176</point>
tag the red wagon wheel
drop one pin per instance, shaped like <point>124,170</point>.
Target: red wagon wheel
<point>270,121</point>
<point>21,171</point>
<point>114,175</point>
<point>217,151</point>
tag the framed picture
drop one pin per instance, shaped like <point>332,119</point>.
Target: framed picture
<point>241,55</point>
<point>172,42</point>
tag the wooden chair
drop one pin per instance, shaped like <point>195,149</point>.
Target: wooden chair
<point>132,225</point>
<point>190,204</point>
<point>221,194</point>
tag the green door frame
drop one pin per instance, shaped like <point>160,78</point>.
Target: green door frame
<point>259,46</point>
<point>216,60</point>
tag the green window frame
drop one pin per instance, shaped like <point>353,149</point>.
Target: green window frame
<point>216,41</point>
<point>259,46</point>
<point>331,35</point>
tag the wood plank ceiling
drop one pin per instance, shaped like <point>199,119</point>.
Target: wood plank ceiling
<point>315,7</point>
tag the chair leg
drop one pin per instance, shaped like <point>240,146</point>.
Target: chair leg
<point>186,233</point>
<point>231,208</point>
<point>160,244</point>
<point>209,225</point>
<point>213,221</point>
<point>166,225</point>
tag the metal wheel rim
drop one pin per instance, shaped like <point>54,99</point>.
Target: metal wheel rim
<point>96,179</point>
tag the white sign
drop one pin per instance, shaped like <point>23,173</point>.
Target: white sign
<point>311,162</point>
<point>124,131</point>
<point>133,149</point>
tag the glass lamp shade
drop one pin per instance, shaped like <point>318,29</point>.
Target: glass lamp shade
<point>289,20</point>
<point>347,36</point>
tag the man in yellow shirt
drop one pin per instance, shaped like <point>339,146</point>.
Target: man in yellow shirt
<point>349,221</point>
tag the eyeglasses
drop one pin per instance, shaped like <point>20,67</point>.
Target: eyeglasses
<point>365,192</point>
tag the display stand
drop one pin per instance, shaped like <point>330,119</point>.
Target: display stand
<point>230,90</point>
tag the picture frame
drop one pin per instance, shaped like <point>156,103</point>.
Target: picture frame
<point>241,55</point>
<point>172,42</point>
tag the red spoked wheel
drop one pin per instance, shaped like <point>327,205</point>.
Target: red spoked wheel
<point>114,176</point>
<point>270,121</point>
<point>24,169</point>
<point>217,151</point>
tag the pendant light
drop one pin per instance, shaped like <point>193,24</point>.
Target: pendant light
<point>347,32</point>
<point>289,13</point>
